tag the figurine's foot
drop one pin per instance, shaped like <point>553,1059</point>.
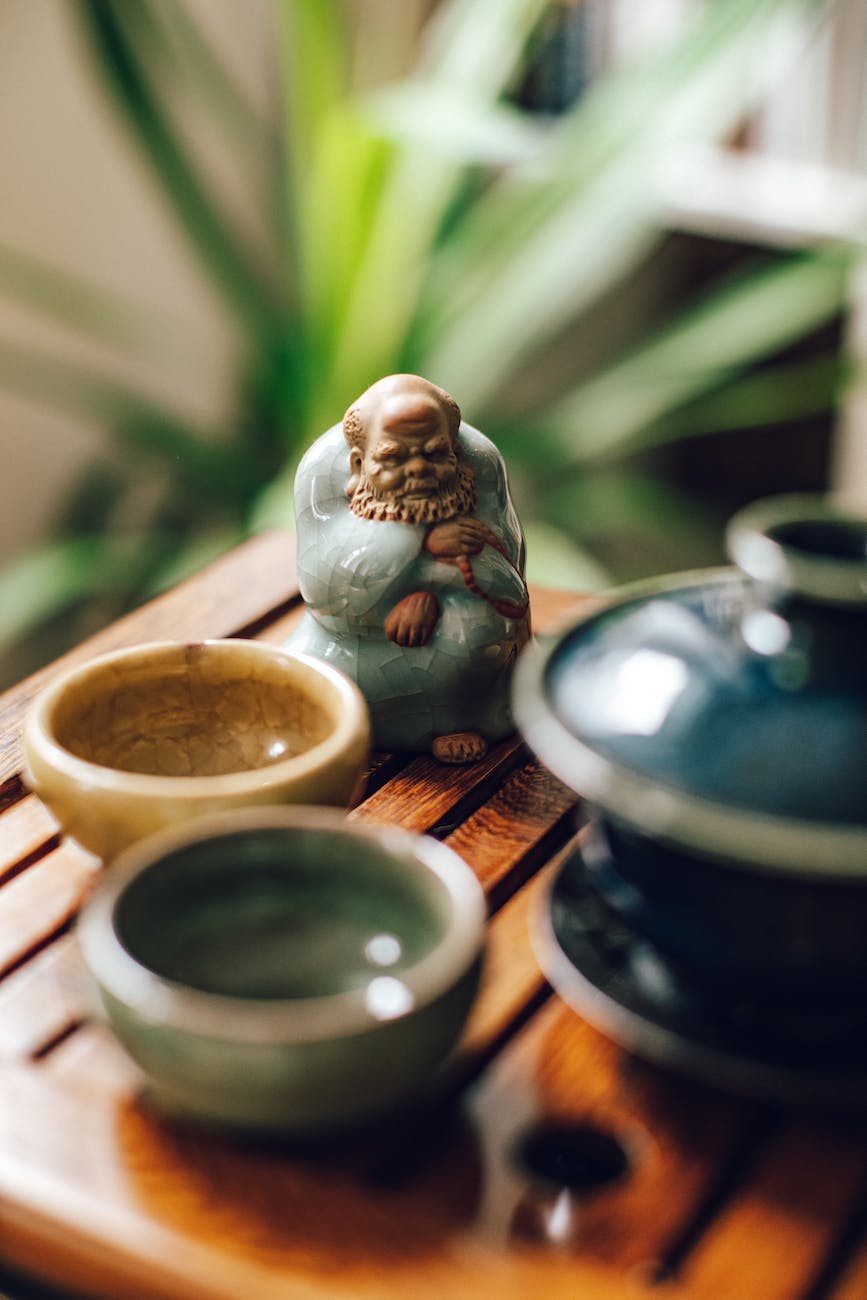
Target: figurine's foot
<point>462,747</point>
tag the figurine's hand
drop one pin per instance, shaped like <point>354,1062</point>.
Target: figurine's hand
<point>462,536</point>
<point>413,619</point>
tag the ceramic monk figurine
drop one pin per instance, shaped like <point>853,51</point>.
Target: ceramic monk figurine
<point>411,563</point>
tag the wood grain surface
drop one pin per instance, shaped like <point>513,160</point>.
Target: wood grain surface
<point>718,1198</point>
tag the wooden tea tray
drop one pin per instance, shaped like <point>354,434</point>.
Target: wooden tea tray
<point>725,1199</point>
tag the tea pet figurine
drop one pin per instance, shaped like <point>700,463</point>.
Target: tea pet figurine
<point>411,564</point>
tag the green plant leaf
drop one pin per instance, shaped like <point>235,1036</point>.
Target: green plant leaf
<point>189,71</point>
<point>274,506</point>
<point>211,467</point>
<point>632,520</point>
<point>341,213</point>
<point>456,126</point>
<point>476,46</point>
<point>43,583</point>
<point>433,228</point>
<point>74,387</point>
<point>192,556</point>
<point>314,66</point>
<point>313,59</point>
<point>513,286</point>
<point>600,500</point>
<point>208,76</point>
<point>617,115</point>
<point>778,394</point>
<point>217,472</point>
<point>89,506</point>
<point>755,314</point>
<point>72,300</point>
<point>471,44</point>
<point>554,559</point>
<point>232,266</point>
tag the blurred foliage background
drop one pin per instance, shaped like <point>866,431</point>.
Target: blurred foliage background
<point>477,220</point>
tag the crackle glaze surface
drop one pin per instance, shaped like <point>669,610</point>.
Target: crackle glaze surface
<point>352,572</point>
<point>200,714</point>
<point>146,738</point>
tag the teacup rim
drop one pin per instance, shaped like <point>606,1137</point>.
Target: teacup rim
<point>352,715</point>
<point>165,1002</point>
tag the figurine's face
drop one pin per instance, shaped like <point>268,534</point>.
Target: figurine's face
<point>410,462</point>
<point>404,460</point>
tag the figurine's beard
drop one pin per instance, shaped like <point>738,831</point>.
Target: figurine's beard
<point>458,500</point>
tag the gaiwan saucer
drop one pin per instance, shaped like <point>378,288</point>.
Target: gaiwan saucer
<point>617,981</point>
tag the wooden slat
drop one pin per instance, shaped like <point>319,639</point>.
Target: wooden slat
<point>246,590</point>
<point>185,1213</point>
<point>512,834</point>
<point>512,976</point>
<point>41,901</point>
<point>772,1238</point>
<point>277,630</point>
<point>428,793</point>
<point>677,1135</point>
<point>552,607</point>
<point>106,1154</point>
<point>92,1058</point>
<point>40,1001</point>
<point>236,591</point>
<point>25,828</point>
<point>852,1282</point>
<point>36,1007</point>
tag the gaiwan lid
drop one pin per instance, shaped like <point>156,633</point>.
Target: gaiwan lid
<point>724,711</point>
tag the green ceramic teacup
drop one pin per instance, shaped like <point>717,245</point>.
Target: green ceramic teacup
<point>286,969</point>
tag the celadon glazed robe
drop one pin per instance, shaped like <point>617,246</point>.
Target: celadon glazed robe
<point>352,573</point>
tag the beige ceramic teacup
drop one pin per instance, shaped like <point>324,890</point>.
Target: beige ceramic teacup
<point>144,738</point>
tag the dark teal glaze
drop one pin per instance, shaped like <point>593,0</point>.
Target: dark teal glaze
<point>811,1049</point>
<point>782,733</point>
<point>780,941</point>
<point>718,724</point>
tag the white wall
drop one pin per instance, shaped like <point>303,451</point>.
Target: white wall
<point>74,193</point>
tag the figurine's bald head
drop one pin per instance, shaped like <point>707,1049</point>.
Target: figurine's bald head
<point>404,456</point>
<point>401,402</point>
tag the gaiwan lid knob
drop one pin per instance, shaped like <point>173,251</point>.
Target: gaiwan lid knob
<point>804,545</point>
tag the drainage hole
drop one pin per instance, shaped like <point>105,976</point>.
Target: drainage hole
<point>580,1157</point>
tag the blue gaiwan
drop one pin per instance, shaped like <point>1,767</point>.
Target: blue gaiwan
<point>717,723</point>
